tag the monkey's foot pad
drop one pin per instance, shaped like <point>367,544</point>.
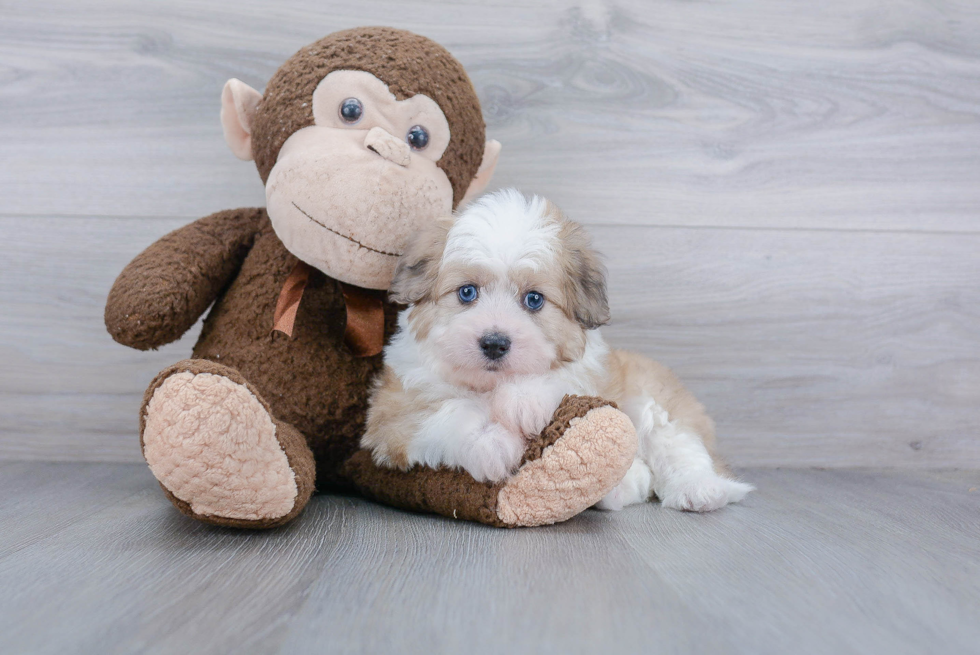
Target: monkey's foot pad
<point>591,456</point>
<point>213,446</point>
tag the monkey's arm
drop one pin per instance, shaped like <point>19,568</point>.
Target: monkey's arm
<point>166,288</point>
<point>570,466</point>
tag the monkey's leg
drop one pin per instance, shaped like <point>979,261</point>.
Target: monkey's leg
<point>217,451</point>
<point>572,464</point>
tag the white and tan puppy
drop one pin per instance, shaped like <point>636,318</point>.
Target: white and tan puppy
<point>506,299</point>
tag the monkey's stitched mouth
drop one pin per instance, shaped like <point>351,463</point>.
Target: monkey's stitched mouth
<point>344,236</point>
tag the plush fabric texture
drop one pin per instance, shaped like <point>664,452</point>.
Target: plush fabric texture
<point>304,395</point>
<point>410,64</point>
<point>238,101</point>
<point>342,199</point>
<point>570,409</point>
<point>311,380</point>
<point>555,483</point>
<point>203,476</point>
<point>388,146</point>
<point>315,391</point>
<point>166,288</point>
<point>443,491</point>
<point>591,457</point>
<point>212,444</point>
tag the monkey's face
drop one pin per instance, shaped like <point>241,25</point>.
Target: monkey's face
<point>346,193</point>
<point>362,138</point>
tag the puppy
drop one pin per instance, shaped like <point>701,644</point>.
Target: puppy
<point>506,299</point>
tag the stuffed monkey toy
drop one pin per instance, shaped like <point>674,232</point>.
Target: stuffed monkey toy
<point>360,139</point>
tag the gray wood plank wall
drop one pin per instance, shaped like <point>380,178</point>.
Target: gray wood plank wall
<point>788,195</point>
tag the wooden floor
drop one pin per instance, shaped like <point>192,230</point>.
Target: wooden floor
<point>93,559</point>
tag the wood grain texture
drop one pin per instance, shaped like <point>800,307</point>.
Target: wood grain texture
<point>856,114</point>
<point>788,196</point>
<point>94,559</point>
<point>805,349</point>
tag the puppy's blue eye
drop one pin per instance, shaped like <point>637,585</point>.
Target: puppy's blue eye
<point>467,293</point>
<point>533,300</point>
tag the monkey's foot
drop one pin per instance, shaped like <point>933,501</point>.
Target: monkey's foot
<point>584,453</point>
<point>569,467</point>
<point>218,453</point>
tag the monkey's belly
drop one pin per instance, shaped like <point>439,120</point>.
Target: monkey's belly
<point>310,380</point>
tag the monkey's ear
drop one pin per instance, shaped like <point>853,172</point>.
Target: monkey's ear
<point>238,103</point>
<point>491,152</point>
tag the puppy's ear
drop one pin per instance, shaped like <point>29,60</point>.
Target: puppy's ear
<point>585,290</point>
<point>417,270</point>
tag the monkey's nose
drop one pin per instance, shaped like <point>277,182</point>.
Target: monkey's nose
<point>391,148</point>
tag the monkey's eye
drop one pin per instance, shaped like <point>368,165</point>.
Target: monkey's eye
<point>418,137</point>
<point>351,110</point>
<point>467,293</point>
<point>533,300</point>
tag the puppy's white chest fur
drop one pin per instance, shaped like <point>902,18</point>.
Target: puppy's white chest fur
<point>482,430</point>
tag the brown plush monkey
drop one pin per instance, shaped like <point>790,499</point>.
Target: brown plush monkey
<point>360,138</point>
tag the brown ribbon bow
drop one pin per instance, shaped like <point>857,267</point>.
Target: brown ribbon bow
<point>365,331</point>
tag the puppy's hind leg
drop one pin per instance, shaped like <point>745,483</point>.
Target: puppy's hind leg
<point>683,471</point>
<point>635,487</point>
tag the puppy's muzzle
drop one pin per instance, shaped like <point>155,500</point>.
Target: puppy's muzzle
<point>494,345</point>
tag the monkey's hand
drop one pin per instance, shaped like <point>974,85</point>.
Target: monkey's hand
<point>166,288</point>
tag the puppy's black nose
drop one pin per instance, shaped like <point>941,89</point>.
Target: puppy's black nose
<point>494,345</point>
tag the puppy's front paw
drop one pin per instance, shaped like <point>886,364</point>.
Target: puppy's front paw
<point>703,492</point>
<point>494,453</point>
<point>524,409</point>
